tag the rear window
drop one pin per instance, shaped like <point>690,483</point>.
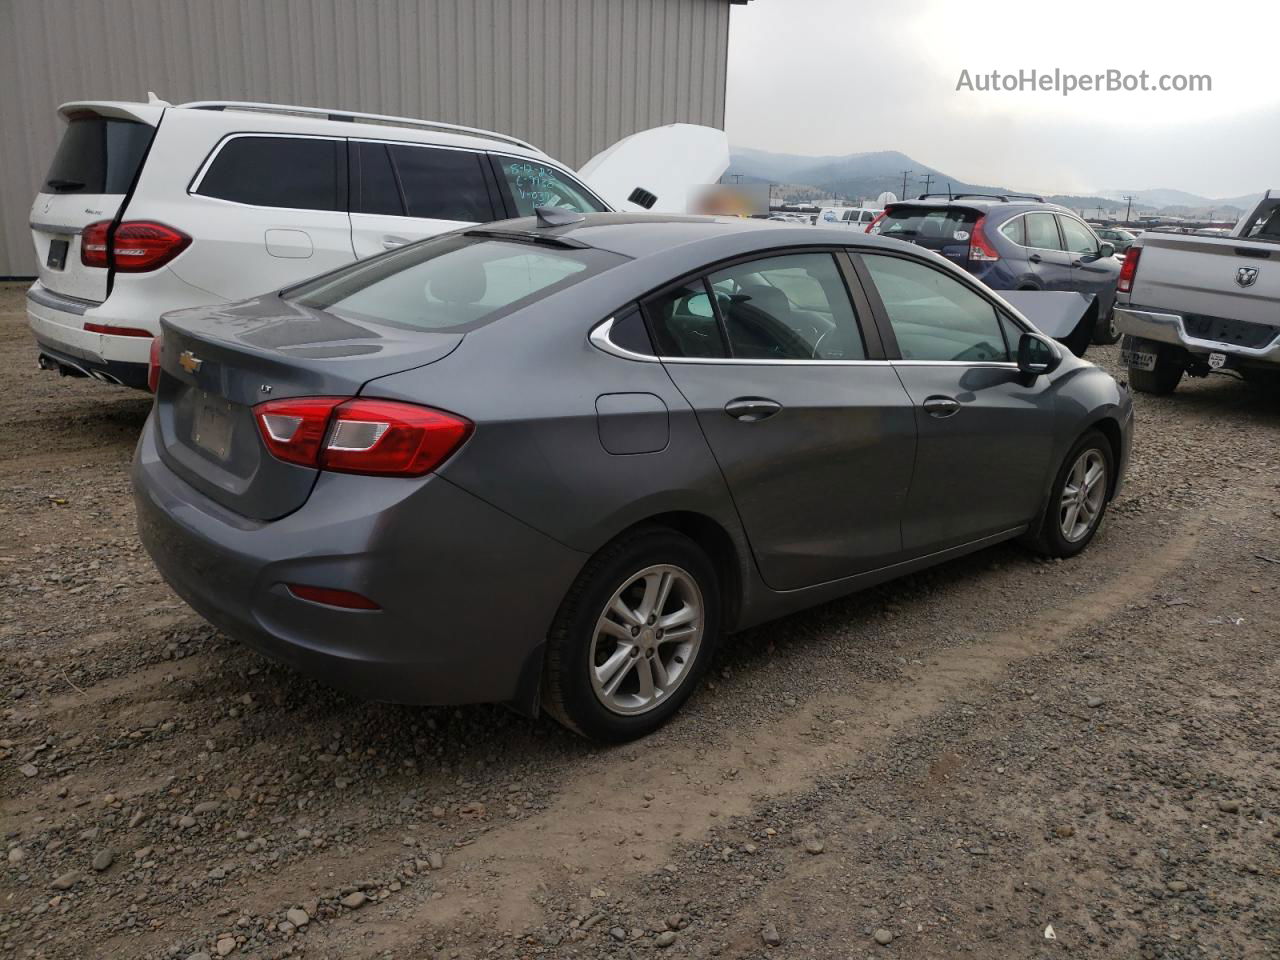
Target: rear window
<point>451,283</point>
<point>98,155</point>
<point>302,173</point>
<point>929,227</point>
<point>1264,225</point>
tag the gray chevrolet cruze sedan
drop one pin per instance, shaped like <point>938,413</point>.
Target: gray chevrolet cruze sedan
<point>551,462</point>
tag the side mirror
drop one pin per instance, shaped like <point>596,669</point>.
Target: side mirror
<point>1037,357</point>
<point>1106,249</point>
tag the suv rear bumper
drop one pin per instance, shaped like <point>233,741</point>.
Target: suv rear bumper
<point>466,592</point>
<point>1169,327</point>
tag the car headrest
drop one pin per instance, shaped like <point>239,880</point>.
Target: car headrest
<point>764,297</point>
<point>464,285</point>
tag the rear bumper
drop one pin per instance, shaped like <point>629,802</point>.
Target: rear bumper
<point>467,593</point>
<point>1170,327</point>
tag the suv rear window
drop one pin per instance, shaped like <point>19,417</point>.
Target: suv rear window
<point>929,227</point>
<point>98,155</point>
<point>302,173</point>
<point>452,282</point>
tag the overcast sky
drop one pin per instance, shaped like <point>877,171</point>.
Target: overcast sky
<point>824,77</point>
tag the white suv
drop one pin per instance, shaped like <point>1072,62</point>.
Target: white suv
<point>150,207</point>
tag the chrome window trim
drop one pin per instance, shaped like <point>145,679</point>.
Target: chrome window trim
<point>194,189</point>
<point>599,337</point>
<point>749,362</point>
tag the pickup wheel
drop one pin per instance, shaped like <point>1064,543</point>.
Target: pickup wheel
<point>1171,363</point>
<point>1269,379</point>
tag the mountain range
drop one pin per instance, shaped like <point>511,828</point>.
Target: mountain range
<point>866,175</point>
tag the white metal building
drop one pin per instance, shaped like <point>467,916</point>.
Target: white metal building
<point>572,76</point>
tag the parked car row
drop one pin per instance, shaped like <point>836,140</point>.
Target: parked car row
<point>438,422</point>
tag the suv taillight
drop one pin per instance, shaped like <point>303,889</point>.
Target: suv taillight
<point>377,437</point>
<point>1128,270</point>
<point>135,246</point>
<point>874,225</point>
<point>980,248</point>
<point>153,364</point>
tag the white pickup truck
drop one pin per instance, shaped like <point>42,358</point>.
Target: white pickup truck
<point>1191,304</point>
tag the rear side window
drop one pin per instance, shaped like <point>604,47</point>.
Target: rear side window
<point>442,184</point>
<point>683,323</point>
<point>929,227</point>
<point>1042,231</point>
<point>451,283</point>
<point>788,308</point>
<point>303,173</point>
<point>1015,230</point>
<point>98,155</point>
<point>530,184</point>
<point>934,316</point>
<point>374,188</point>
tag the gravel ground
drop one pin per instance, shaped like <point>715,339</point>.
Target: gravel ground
<point>998,758</point>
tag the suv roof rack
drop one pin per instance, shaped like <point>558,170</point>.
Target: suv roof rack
<point>355,116</point>
<point>1002,197</point>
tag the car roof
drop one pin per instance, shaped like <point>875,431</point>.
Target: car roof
<point>289,118</point>
<point>638,235</point>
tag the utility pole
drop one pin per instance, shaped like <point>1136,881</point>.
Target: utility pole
<point>928,181</point>
<point>1128,208</point>
<point>905,174</point>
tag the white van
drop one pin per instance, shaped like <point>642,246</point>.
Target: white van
<point>855,218</point>
<point>149,207</point>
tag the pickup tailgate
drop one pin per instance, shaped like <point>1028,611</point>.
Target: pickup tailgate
<point>1214,277</point>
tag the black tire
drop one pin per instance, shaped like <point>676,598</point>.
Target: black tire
<point>1105,332</point>
<point>1049,539</point>
<point>569,694</point>
<point>1171,363</point>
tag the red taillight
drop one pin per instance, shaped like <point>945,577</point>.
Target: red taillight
<point>117,331</point>
<point>874,225</point>
<point>134,246</point>
<point>153,365</point>
<point>1128,270</point>
<point>93,244</point>
<point>377,437</point>
<point>332,598</point>
<point>979,246</point>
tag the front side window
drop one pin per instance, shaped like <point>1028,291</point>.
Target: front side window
<point>531,184</point>
<point>303,173</point>
<point>792,307</point>
<point>934,316</point>
<point>451,283</point>
<point>1077,236</point>
<point>1042,231</point>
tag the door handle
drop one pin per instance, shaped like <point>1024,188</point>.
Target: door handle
<point>751,409</point>
<point>1035,258</point>
<point>941,407</point>
<point>390,242</point>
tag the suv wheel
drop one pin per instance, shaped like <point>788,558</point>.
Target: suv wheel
<point>633,636</point>
<point>1078,499</point>
<point>1106,332</point>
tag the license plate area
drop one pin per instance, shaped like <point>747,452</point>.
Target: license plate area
<point>57,256</point>
<point>1138,359</point>
<point>211,425</point>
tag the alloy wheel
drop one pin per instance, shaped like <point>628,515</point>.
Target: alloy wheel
<point>646,640</point>
<point>1083,496</point>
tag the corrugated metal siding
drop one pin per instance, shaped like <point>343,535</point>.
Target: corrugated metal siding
<point>572,76</point>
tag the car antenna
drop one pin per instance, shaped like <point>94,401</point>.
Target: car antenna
<point>557,216</point>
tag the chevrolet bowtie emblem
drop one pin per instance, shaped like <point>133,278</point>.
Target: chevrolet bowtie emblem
<point>189,361</point>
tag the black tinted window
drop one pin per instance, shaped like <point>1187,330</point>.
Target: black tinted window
<point>374,188</point>
<point>931,227</point>
<point>1042,231</point>
<point>683,323</point>
<point>934,316</point>
<point>531,184</point>
<point>300,172</point>
<point>788,308</point>
<point>442,184</point>
<point>98,155</point>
